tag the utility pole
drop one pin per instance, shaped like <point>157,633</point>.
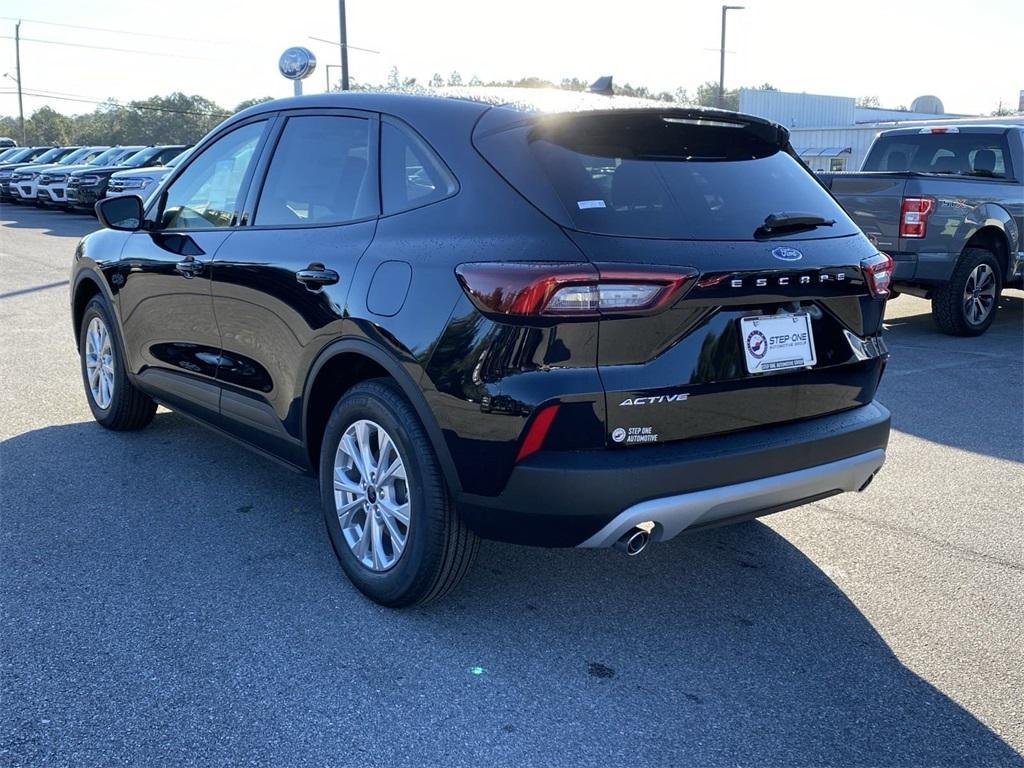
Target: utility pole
<point>721,66</point>
<point>344,45</point>
<point>17,67</point>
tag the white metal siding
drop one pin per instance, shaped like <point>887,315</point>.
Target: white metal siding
<point>857,138</point>
<point>798,110</point>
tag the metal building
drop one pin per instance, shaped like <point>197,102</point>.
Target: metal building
<point>831,133</point>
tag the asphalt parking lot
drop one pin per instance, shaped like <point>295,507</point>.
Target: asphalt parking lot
<point>170,599</point>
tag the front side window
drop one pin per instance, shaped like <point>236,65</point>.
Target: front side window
<point>207,193</point>
<point>411,175</point>
<point>320,173</point>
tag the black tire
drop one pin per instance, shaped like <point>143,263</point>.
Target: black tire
<point>948,306</point>
<point>439,548</point>
<point>129,408</point>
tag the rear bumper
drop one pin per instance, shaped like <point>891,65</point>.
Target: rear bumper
<point>923,267</point>
<point>673,514</point>
<point>583,498</point>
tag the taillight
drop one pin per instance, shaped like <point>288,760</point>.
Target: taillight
<point>914,216</point>
<point>534,289</point>
<point>878,273</point>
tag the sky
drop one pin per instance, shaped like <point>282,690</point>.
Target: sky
<point>967,54</point>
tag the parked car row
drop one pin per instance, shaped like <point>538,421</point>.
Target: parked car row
<point>74,178</point>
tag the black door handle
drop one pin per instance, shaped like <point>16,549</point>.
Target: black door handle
<point>316,276</point>
<point>189,267</point>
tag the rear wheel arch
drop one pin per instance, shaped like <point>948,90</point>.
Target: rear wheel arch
<point>346,363</point>
<point>994,240</point>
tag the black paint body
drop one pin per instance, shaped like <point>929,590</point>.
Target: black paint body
<point>241,345</point>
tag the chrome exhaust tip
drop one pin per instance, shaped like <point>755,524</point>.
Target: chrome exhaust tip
<point>633,542</point>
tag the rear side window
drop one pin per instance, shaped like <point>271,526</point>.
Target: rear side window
<point>319,174</point>
<point>958,154</point>
<point>411,174</point>
<point>661,176</point>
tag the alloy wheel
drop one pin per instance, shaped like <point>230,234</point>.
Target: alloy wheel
<point>99,363</point>
<point>979,294</point>
<point>371,495</point>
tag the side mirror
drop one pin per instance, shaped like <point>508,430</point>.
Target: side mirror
<point>124,213</point>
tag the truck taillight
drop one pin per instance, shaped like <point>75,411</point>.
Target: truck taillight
<point>878,273</point>
<point>577,290</point>
<point>914,215</point>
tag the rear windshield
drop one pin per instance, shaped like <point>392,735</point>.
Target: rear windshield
<point>653,175</point>
<point>956,154</point>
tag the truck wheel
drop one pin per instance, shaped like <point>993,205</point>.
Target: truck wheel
<point>966,305</point>
<point>114,401</point>
<point>388,511</point>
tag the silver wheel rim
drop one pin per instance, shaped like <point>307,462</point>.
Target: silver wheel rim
<point>99,363</point>
<point>979,294</point>
<point>371,495</point>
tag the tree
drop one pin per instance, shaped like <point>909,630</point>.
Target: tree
<point>455,79</point>
<point>765,87</point>
<point>252,102</point>
<point>1002,111</point>
<point>475,81</point>
<point>436,81</point>
<point>394,81</point>
<point>868,102</point>
<point>707,96</point>
<point>47,126</point>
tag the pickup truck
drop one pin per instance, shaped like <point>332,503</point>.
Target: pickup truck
<point>947,203</point>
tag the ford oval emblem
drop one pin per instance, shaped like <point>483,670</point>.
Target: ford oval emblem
<point>297,63</point>
<point>787,254</point>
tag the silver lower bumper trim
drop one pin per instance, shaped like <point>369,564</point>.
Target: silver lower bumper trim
<point>671,515</point>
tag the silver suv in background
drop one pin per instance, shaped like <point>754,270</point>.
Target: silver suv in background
<point>142,181</point>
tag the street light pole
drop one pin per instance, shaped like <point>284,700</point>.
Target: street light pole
<point>344,45</point>
<point>721,66</point>
<point>17,66</point>
<point>327,71</point>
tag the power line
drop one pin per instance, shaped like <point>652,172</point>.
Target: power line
<point>107,48</point>
<point>347,45</point>
<point>118,105</point>
<point>112,31</point>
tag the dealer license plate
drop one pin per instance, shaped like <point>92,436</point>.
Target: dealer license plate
<point>777,342</point>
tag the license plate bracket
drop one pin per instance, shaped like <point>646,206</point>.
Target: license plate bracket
<point>773,343</point>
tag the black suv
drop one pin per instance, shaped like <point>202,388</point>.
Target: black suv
<point>594,324</point>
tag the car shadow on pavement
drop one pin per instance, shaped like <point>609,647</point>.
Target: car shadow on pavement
<point>960,392</point>
<point>921,326</point>
<point>168,582</point>
<point>47,221</point>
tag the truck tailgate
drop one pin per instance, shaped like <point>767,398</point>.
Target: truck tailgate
<point>873,201</point>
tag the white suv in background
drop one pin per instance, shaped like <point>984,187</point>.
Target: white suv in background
<point>141,181</point>
<point>25,182</point>
<point>52,185</point>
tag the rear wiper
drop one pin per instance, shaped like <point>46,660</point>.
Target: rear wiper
<point>788,221</point>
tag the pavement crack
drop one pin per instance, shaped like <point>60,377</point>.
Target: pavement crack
<point>971,554</point>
